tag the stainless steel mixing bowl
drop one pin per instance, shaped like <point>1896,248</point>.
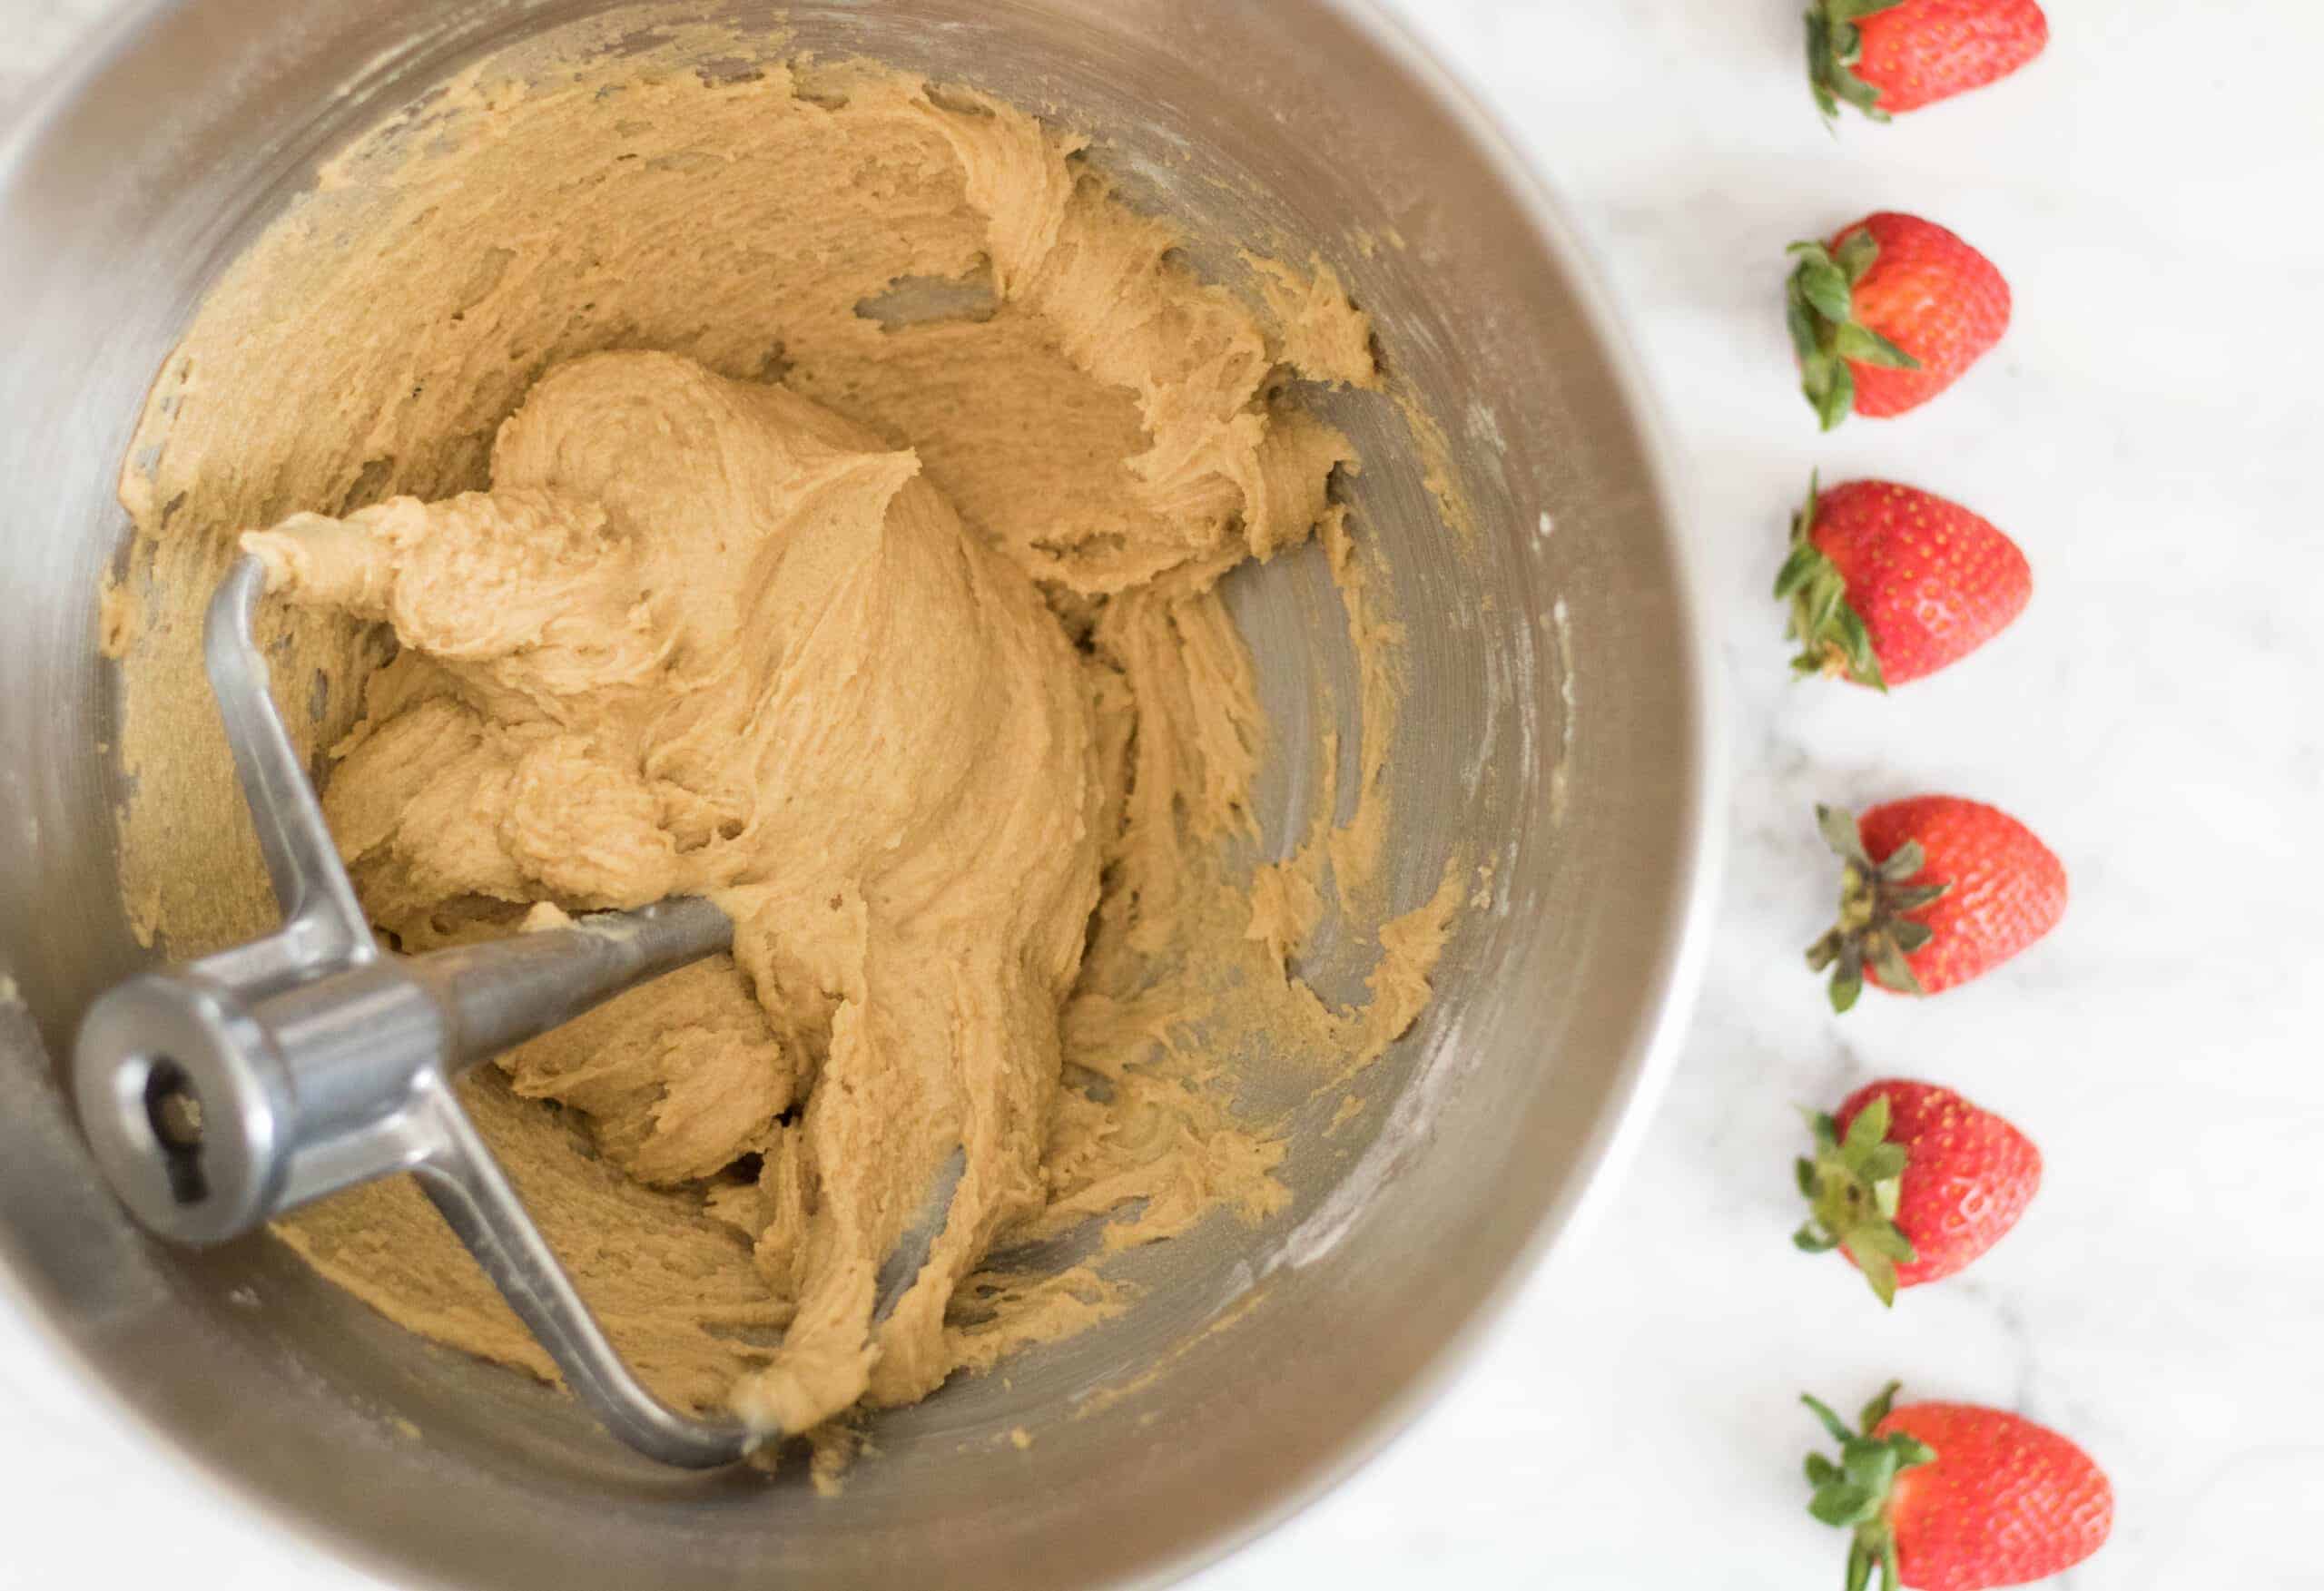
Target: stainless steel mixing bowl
<point>1556,725</point>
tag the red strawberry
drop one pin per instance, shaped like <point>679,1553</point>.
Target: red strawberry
<point>1888,314</point>
<point>1938,890</point>
<point>1890,55</point>
<point>1887,583</point>
<point>1949,1497</point>
<point>1911,1182</point>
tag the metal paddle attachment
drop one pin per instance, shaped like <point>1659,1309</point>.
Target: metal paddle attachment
<point>220,1094</point>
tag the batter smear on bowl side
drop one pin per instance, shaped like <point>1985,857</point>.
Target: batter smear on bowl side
<point>807,488</point>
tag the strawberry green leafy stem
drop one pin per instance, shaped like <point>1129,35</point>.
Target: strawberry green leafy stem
<point>1821,308</point>
<point>1873,930</point>
<point>1853,1492</point>
<point>1831,634</point>
<point>1835,46</point>
<point>1852,1184</point>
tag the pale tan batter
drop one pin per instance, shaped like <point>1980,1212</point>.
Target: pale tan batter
<point>705,637</point>
<point>900,641</point>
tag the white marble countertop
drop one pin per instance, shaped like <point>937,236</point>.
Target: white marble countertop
<point>2150,187</point>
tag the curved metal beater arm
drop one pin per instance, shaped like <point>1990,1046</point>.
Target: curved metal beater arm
<point>323,926</point>
<point>468,1189</point>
